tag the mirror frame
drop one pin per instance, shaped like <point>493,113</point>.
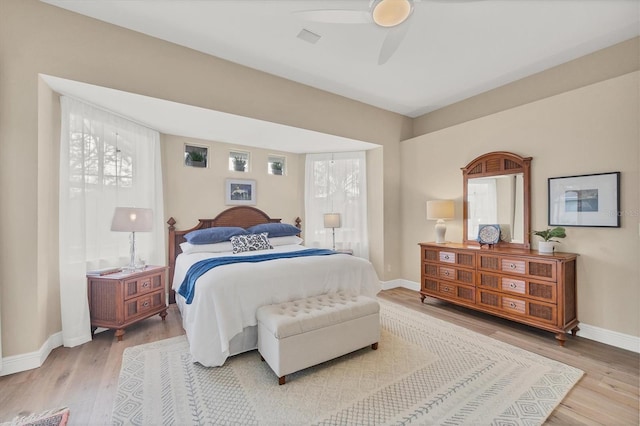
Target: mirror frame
<point>494,164</point>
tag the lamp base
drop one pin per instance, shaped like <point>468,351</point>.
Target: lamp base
<point>441,228</point>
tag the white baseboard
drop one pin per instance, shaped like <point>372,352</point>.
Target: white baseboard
<point>387,285</point>
<point>17,363</point>
<point>608,337</point>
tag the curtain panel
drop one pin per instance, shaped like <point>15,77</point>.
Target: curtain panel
<point>337,183</point>
<point>106,162</point>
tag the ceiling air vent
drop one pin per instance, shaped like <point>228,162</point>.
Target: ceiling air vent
<point>308,36</point>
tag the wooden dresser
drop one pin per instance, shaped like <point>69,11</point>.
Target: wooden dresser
<point>121,299</point>
<point>518,284</point>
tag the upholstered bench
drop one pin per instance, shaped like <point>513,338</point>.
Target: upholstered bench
<point>299,334</point>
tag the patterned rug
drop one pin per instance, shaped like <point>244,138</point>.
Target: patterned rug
<point>426,371</point>
<point>57,417</point>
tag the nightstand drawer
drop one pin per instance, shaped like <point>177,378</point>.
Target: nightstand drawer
<point>143,304</point>
<point>142,285</point>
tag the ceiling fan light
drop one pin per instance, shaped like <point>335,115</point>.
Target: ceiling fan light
<point>389,13</point>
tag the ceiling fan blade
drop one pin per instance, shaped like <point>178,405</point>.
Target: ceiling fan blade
<point>392,41</point>
<point>336,16</point>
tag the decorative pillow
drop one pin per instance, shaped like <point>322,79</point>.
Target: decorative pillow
<point>224,246</point>
<point>283,241</point>
<point>274,229</point>
<point>250,242</point>
<point>214,235</point>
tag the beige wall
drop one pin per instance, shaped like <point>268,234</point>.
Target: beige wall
<point>193,193</point>
<point>39,38</point>
<point>592,129</point>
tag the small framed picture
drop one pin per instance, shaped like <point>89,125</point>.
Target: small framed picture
<point>586,200</point>
<point>196,156</point>
<point>240,192</point>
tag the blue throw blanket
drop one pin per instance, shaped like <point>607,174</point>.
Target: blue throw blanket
<point>187,288</point>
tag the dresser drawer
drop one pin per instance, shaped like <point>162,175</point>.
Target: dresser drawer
<point>463,276</point>
<point>142,285</point>
<point>457,291</point>
<point>540,290</point>
<point>462,259</point>
<point>524,266</point>
<point>513,305</point>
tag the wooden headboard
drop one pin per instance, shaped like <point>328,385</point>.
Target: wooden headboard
<point>242,216</point>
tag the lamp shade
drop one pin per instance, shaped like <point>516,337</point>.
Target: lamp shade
<point>132,219</point>
<point>332,220</point>
<point>440,209</point>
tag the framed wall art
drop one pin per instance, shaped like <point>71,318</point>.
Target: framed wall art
<point>240,192</point>
<point>586,200</point>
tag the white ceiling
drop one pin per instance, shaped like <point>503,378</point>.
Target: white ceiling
<point>453,49</point>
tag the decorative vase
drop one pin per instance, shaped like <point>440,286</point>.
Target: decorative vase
<point>545,247</point>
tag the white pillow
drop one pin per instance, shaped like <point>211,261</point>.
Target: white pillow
<point>222,247</point>
<point>283,241</point>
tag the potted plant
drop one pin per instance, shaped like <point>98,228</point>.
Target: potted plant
<point>276,167</point>
<point>196,159</point>
<point>548,235</point>
<point>239,163</point>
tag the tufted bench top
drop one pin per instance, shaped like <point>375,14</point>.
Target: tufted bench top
<point>300,316</point>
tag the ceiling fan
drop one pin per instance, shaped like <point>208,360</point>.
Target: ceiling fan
<point>390,14</point>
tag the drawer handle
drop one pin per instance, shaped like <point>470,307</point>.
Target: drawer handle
<point>446,257</point>
<point>145,304</point>
<point>146,284</point>
<point>512,285</point>
<point>446,289</point>
<point>512,265</point>
<point>512,305</point>
<point>446,273</point>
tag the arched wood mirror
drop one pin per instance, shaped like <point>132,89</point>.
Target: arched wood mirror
<point>497,192</point>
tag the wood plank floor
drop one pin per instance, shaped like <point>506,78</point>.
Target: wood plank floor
<point>85,378</point>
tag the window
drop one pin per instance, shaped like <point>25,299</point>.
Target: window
<point>239,161</point>
<point>276,165</point>
<point>336,183</point>
<point>105,162</point>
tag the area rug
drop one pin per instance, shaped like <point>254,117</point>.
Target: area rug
<point>57,417</point>
<point>426,371</point>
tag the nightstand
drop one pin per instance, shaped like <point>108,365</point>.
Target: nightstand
<point>120,299</point>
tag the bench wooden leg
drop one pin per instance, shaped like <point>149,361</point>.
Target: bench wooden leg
<point>374,346</point>
<point>281,380</point>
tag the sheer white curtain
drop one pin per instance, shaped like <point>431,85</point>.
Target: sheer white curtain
<point>105,161</point>
<point>337,183</point>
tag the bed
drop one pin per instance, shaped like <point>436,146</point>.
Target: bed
<point>220,321</point>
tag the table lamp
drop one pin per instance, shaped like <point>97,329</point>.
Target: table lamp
<point>440,210</point>
<point>332,220</point>
<point>132,219</point>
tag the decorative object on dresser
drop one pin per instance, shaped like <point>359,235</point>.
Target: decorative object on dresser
<point>517,284</point>
<point>332,220</point>
<point>546,245</point>
<point>132,219</point>
<point>496,190</point>
<point>440,210</point>
<point>120,299</point>
<point>488,234</point>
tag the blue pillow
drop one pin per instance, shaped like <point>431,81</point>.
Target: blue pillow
<point>274,229</point>
<point>214,235</point>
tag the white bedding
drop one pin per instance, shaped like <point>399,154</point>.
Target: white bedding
<point>227,297</point>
